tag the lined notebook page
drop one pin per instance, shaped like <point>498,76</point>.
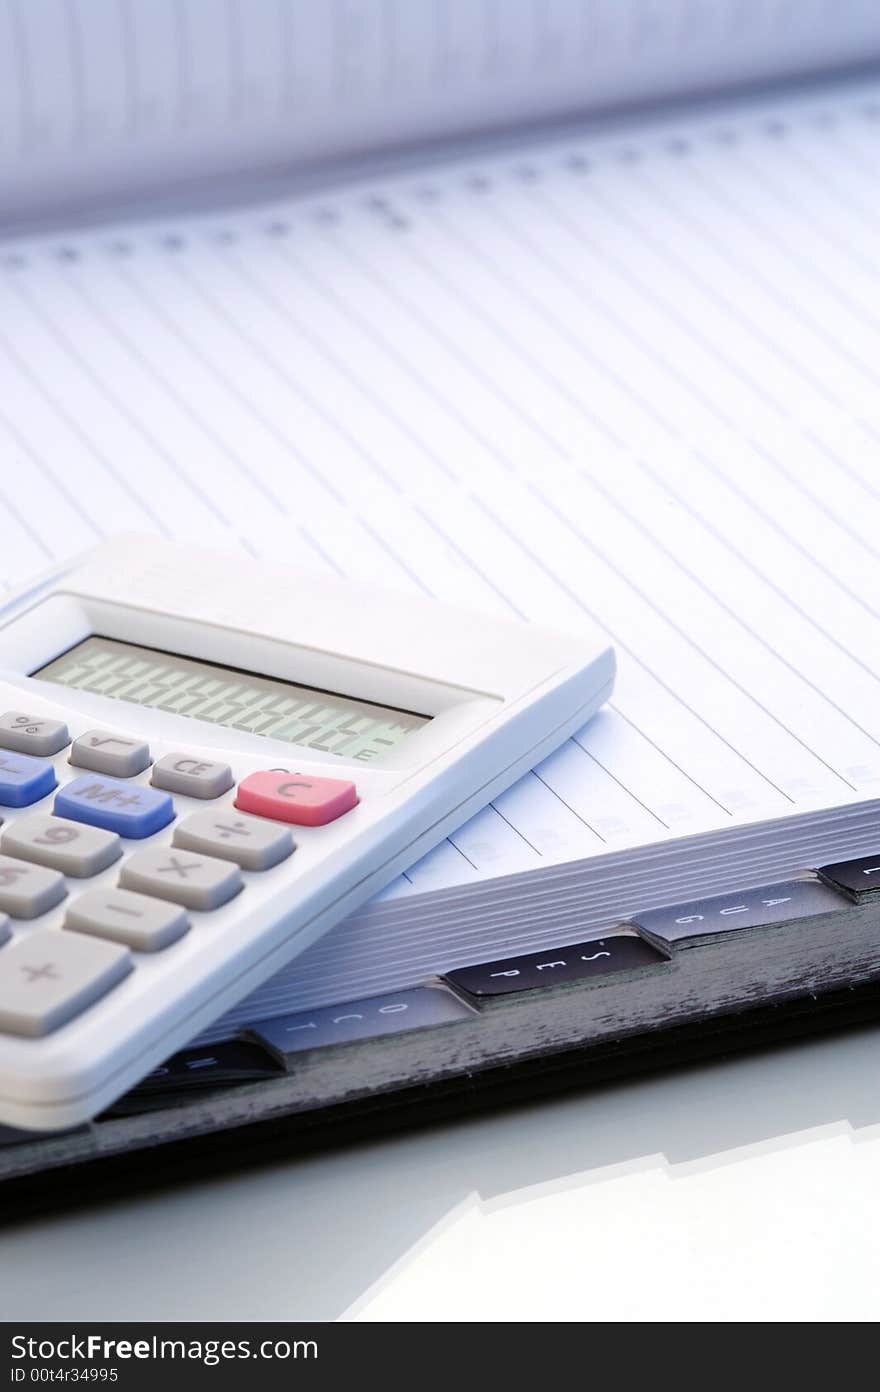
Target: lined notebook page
<point>103,98</point>
<point>623,384</point>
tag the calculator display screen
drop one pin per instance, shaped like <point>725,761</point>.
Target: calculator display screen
<point>280,710</point>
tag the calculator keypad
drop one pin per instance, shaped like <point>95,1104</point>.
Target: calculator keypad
<point>48,977</point>
<point>26,891</point>
<point>249,841</point>
<point>28,734</point>
<point>195,881</point>
<point>142,923</point>
<point>24,780</point>
<point>199,778</point>
<point>129,809</point>
<point>70,847</point>
<point>106,752</point>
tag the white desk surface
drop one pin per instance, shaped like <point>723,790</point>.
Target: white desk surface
<point>742,1190</point>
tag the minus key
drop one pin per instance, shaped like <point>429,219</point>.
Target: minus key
<point>121,916</point>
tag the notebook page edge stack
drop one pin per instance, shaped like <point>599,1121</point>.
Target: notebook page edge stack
<point>369,954</point>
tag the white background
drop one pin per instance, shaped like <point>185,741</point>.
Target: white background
<point>742,1190</point>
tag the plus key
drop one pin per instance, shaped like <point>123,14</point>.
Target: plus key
<point>49,976</point>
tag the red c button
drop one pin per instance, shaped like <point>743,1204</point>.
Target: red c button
<point>296,797</point>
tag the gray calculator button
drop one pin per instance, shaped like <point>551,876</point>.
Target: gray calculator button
<point>195,881</point>
<point>251,842</point>
<point>26,891</point>
<point>198,778</point>
<point>48,977</point>
<point>32,734</point>
<point>144,924</point>
<point>102,751</point>
<point>71,847</point>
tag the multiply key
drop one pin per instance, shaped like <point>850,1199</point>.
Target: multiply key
<point>196,882</point>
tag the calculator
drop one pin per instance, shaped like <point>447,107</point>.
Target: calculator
<point>205,763</point>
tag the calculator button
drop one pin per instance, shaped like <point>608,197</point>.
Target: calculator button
<point>104,752</point>
<point>26,891</point>
<point>251,842</point>
<point>126,808</point>
<point>24,780</point>
<point>70,847</point>
<point>144,924</point>
<point>195,881</point>
<point>199,778</point>
<point>295,797</point>
<point>29,734</point>
<point>48,977</point>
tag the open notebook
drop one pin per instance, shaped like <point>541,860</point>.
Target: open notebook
<point>326,282</point>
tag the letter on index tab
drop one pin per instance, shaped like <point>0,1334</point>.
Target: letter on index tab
<point>422,1007</point>
<point>684,924</point>
<point>856,878</point>
<point>532,971</point>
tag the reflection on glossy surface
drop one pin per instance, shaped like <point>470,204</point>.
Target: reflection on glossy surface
<point>565,1208</point>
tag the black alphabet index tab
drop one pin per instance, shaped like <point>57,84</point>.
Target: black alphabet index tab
<point>860,879</point>
<point>539,970</point>
<point>417,1008</point>
<point>684,924</point>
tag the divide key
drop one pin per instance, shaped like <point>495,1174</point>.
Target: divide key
<point>129,809</point>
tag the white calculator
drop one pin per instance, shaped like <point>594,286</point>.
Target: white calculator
<point>205,763</point>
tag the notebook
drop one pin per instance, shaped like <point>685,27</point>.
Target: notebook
<point>568,311</point>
